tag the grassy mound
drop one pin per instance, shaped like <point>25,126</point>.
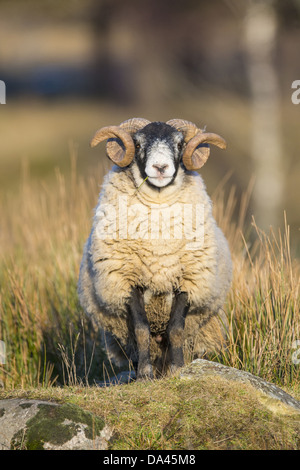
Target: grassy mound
<point>175,414</point>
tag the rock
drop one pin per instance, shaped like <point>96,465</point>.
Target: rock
<point>272,396</point>
<point>42,425</point>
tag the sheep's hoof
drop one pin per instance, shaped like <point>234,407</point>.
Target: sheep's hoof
<point>144,373</point>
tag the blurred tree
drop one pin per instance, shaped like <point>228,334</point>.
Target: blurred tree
<point>260,35</point>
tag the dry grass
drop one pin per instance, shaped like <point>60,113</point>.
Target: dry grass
<point>263,306</point>
<point>45,227</point>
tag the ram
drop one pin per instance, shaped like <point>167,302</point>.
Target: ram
<point>156,268</point>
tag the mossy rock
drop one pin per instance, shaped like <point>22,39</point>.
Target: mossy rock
<point>40,425</point>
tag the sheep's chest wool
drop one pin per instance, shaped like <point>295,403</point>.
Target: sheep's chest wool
<point>140,236</point>
<point>165,242</point>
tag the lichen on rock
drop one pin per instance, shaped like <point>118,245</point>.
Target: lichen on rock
<point>38,425</point>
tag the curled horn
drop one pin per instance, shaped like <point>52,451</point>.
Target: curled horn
<point>125,154</point>
<point>195,153</point>
<point>120,146</point>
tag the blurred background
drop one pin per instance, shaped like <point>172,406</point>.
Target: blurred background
<point>71,67</point>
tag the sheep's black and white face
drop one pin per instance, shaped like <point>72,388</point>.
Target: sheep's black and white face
<point>158,153</point>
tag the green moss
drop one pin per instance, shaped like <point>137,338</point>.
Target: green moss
<point>56,424</point>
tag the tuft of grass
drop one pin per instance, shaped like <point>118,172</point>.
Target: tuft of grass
<point>263,307</point>
<point>44,230</point>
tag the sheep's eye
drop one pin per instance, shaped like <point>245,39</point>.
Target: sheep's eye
<point>137,146</point>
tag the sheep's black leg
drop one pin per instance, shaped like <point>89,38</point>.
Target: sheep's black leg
<point>142,333</point>
<point>175,330</point>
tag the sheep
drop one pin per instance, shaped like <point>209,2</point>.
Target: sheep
<point>154,287</point>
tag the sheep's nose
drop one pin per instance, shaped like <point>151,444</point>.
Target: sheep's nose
<point>160,168</point>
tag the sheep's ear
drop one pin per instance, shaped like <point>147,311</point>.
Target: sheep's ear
<point>197,149</point>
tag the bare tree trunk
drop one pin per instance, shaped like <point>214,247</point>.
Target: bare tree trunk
<point>260,31</point>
